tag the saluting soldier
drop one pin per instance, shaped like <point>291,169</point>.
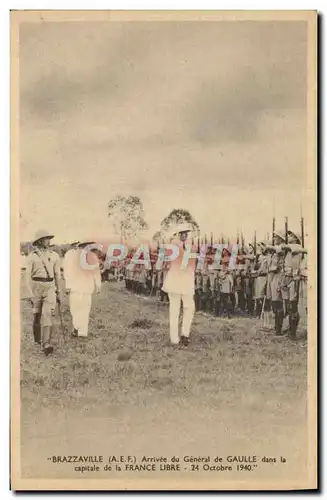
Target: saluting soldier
<point>42,281</point>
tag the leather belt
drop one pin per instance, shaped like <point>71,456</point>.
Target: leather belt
<point>44,280</point>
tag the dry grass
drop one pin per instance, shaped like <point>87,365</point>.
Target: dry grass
<point>127,360</point>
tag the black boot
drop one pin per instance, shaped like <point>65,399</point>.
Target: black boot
<point>205,303</point>
<point>212,305</point>
<point>37,329</point>
<point>293,325</point>
<point>276,322</point>
<point>279,322</point>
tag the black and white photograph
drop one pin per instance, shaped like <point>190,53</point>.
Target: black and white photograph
<point>163,220</point>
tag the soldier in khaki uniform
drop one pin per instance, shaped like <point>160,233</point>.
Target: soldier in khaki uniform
<point>302,305</point>
<point>261,275</point>
<point>226,282</point>
<point>43,288</point>
<point>249,262</point>
<point>291,281</point>
<point>275,280</point>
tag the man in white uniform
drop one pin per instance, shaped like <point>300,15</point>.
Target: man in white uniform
<point>83,277</point>
<point>179,284</point>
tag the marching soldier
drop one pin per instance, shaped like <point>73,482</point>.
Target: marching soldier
<point>43,288</point>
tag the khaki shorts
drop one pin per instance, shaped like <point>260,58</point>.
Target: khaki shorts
<point>273,287</point>
<point>260,287</point>
<point>44,301</point>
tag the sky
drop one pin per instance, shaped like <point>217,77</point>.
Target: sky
<point>204,116</point>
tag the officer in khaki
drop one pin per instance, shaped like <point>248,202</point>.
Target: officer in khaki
<point>43,288</point>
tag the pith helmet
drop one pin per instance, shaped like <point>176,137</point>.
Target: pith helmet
<point>280,235</point>
<point>42,233</point>
<point>85,242</point>
<point>295,236</point>
<point>182,228</point>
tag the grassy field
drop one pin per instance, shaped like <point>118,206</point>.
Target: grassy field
<point>234,389</point>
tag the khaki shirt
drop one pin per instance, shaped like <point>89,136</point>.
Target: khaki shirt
<point>35,267</point>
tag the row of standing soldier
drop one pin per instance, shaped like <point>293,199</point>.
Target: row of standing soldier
<point>272,283</point>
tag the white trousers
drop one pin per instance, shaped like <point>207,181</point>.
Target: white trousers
<point>174,311</point>
<point>80,306</point>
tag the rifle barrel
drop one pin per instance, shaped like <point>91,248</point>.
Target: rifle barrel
<point>286,230</point>
<point>302,231</point>
<point>273,231</point>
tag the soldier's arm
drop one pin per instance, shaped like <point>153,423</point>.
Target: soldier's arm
<point>28,277</point>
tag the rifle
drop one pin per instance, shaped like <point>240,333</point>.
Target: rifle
<point>286,230</point>
<point>255,243</point>
<point>63,335</point>
<point>242,242</point>
<point>273,231</point>
<point>302,229</point>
